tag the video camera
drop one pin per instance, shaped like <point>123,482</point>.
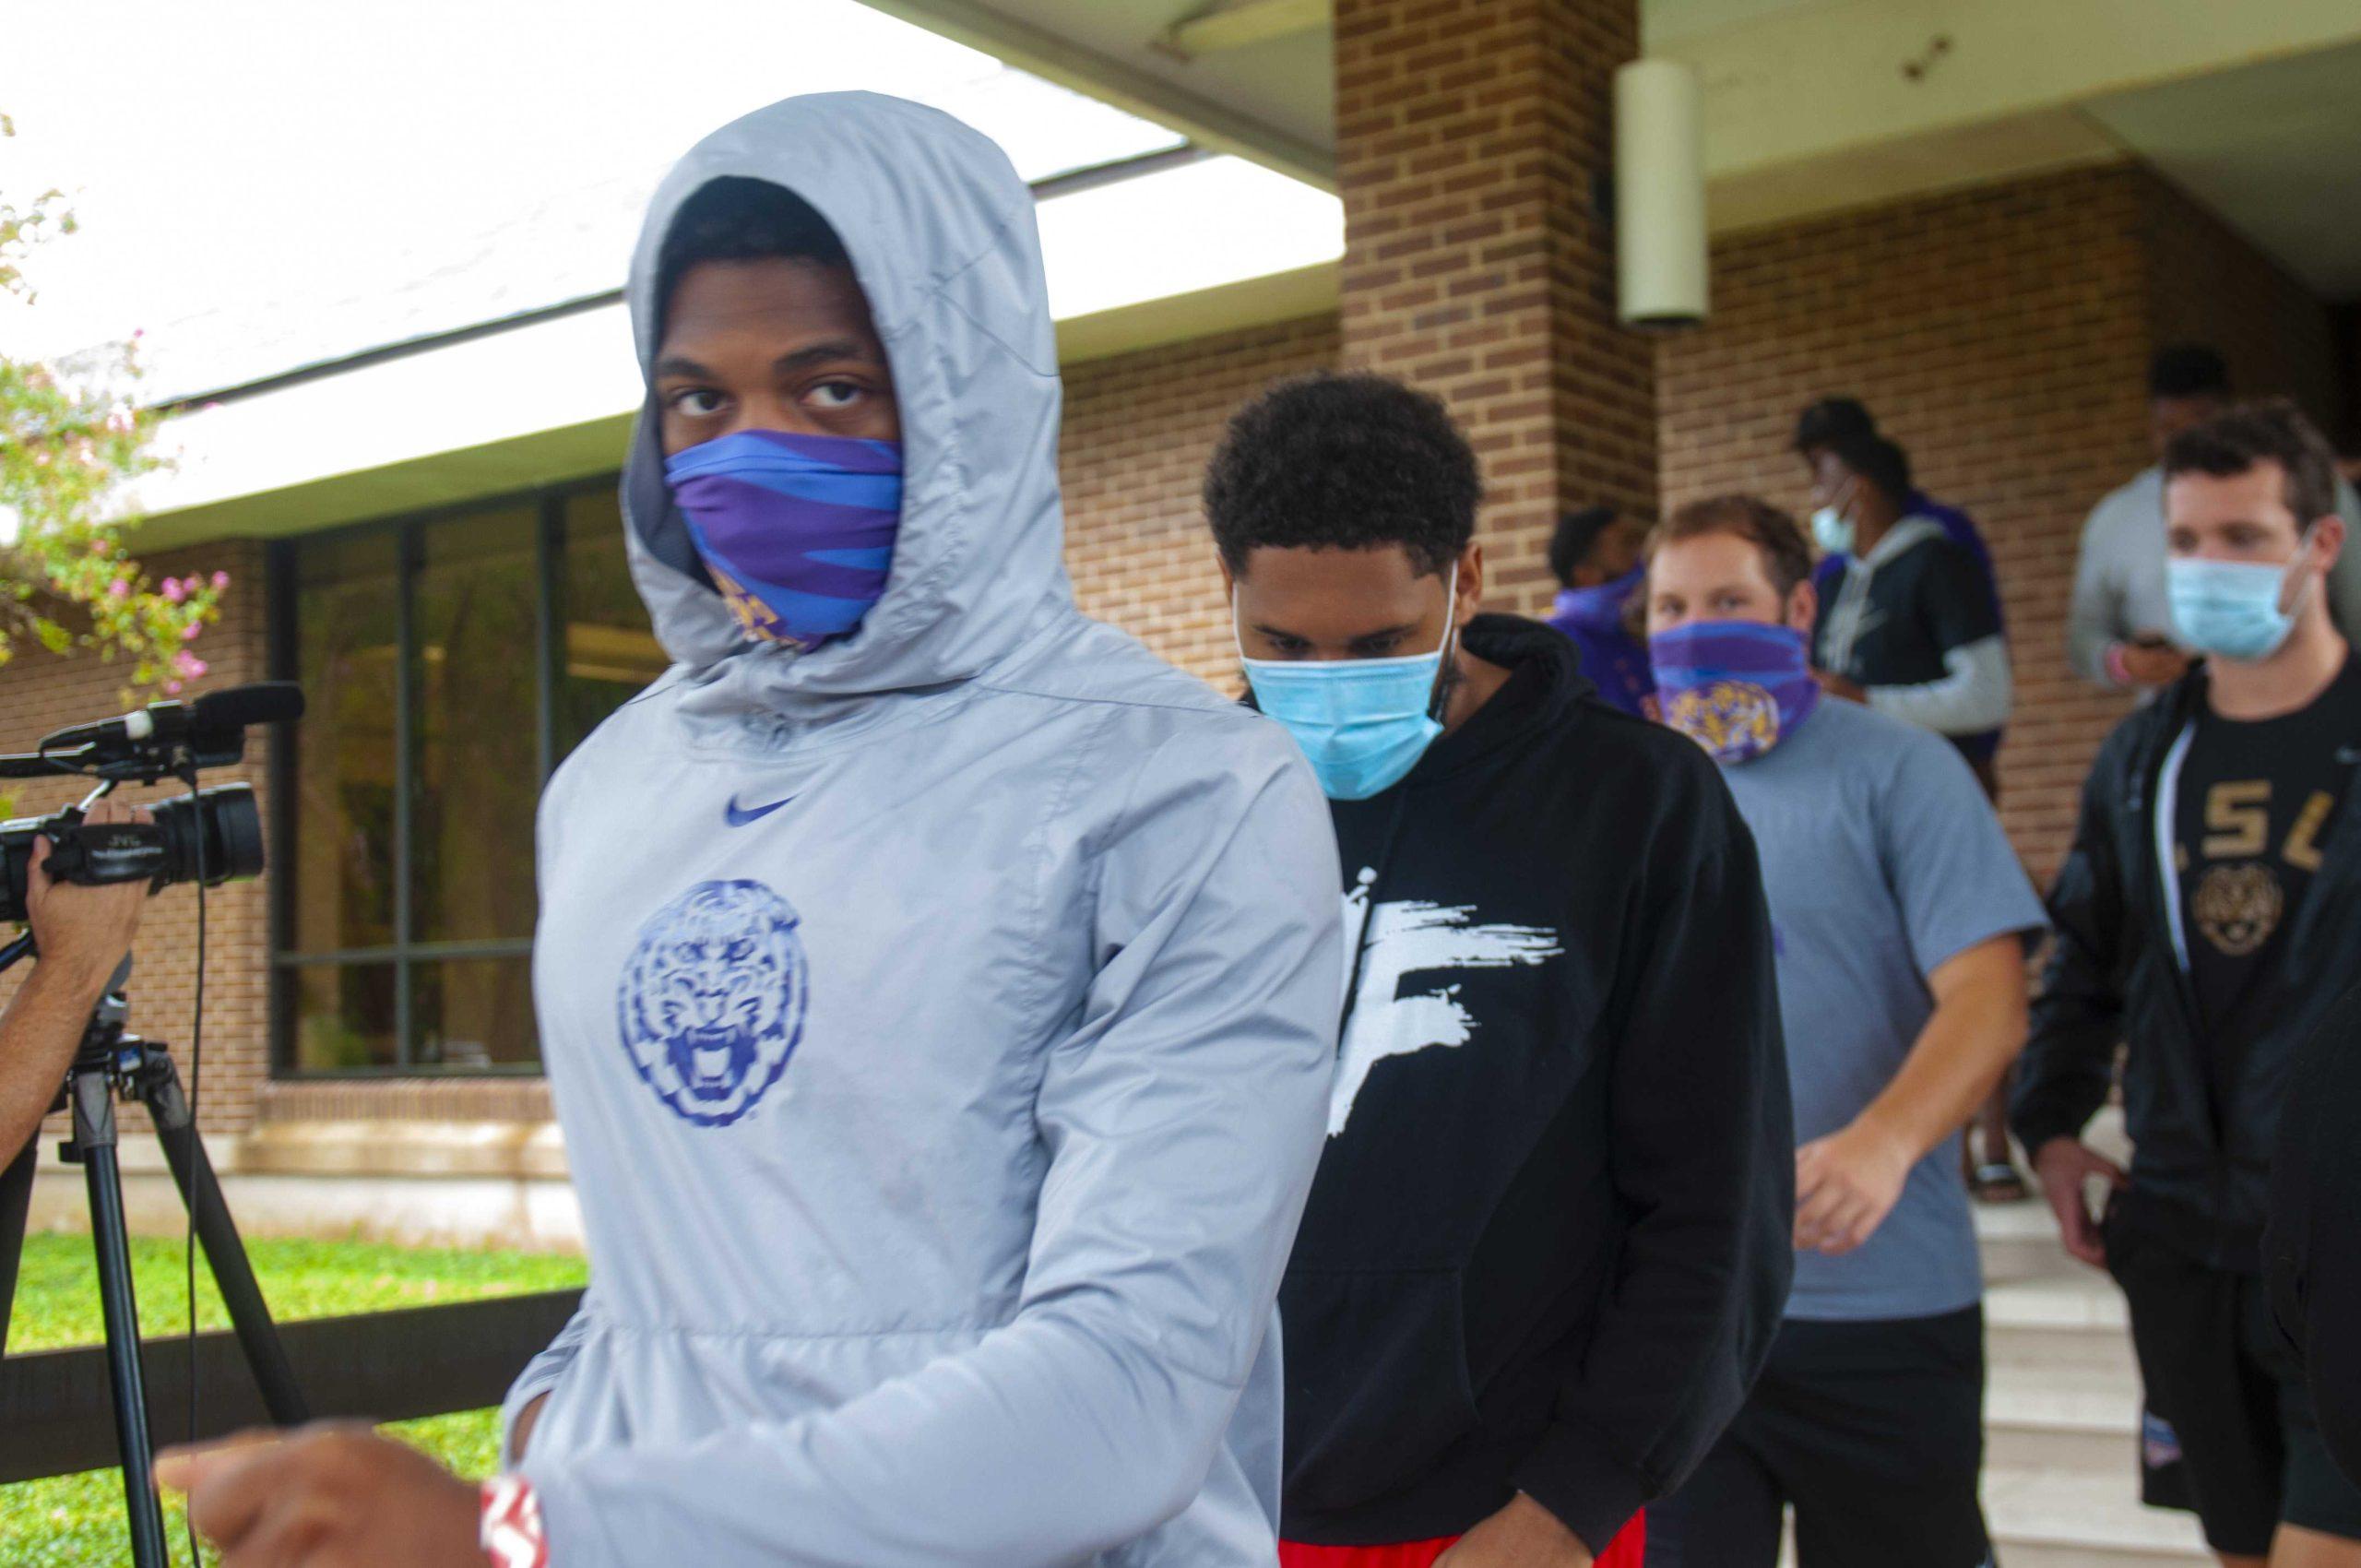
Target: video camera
<point>215,834</point>
<point>205,837</point>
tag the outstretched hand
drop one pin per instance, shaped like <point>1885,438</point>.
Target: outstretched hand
<point>334,1495</point>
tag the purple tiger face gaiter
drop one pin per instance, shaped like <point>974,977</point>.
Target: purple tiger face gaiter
<point>1735,687</point>
<point>796,530</point>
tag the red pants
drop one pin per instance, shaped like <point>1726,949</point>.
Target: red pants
<point>1629,1549</point>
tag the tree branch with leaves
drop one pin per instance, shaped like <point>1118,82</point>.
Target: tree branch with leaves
<point>71,435</point>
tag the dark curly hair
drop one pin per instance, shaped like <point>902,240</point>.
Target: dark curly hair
<point>1576,536</point>
<point>1833,420</point>
<point>737,218</point>
<point>2271,431</point>
<point>1343,461</point>
<point>1877,462</point>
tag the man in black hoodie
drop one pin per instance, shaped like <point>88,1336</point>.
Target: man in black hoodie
<point>2206,916</point>
<point>1547,1245</point>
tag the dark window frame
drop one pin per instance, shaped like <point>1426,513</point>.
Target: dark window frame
<point>409,529</point>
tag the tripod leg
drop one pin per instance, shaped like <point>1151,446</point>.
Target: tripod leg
<point>94,1136</point>
<point>16,1203</point>
<point>225,1253</point>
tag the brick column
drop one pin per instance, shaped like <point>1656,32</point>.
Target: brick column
<point>1469,137</point>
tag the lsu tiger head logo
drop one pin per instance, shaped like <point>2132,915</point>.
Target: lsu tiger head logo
<point>2237,906</point>
<point>713,999</point>
<point>1733,719</point>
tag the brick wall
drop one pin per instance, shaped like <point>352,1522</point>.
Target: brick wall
<point>1470,134</point>
<point>38,694</point>
<point>1138,430</point>
<point>2208,285</point>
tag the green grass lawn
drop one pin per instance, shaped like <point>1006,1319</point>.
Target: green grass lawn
<point>77,1520</point>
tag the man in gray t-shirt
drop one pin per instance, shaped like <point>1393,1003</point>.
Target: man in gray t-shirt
<point>1900,916</point>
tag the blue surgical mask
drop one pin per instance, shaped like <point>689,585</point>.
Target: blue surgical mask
<point>2229,608</point>
<point>1363,722</point>
<point>1832,530</point>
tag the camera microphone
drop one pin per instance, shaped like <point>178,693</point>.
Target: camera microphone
<point>264,702</point>
<point>162,720</point>
<point>211,719</point>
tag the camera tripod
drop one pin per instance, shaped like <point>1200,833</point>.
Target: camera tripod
<point>112,1066</point>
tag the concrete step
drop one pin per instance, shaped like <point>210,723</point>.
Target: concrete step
<point>2063,1429</point>
<point>2062,1410</point>
<point>2020,1241</point>
<point>2040,1332</point>
<point>2066,1520</point>
<point>2044,1520</point>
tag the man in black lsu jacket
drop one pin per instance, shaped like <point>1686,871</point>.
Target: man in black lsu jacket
<point>1548,1243</point>
<point>2209,914</point>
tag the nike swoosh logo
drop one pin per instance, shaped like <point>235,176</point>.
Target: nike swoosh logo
<point>738,816</point>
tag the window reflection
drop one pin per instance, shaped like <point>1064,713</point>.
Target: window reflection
<point>504,637</point>
<point>475,608</point>
<point>347,661</point>
<point>609,652</point>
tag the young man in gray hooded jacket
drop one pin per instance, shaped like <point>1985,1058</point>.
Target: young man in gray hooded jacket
<point>939,993</point>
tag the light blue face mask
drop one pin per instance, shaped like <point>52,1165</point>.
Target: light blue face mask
<point>2229,608</point>
<point>1362,722</point>
<point>1832,530</point>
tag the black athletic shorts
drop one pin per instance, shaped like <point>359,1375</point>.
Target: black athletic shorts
<point>2229,1433</point>
<point>1874,1432</point>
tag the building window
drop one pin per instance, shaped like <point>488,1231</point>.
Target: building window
<point>450,661</point>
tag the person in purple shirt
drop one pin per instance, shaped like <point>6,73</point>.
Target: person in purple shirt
<point>1596,555</point>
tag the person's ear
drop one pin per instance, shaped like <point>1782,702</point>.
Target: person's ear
<point>1803,607</point>
<point>1471,585</point>
<point>2328,542</point>
<point>1229,578</point>
<point>2316,556</point>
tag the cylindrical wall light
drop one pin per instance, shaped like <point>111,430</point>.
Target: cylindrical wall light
<point>1660,261</point>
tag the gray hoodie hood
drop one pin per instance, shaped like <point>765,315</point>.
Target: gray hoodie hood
<point>947,251</point>
<point>941,1021</point>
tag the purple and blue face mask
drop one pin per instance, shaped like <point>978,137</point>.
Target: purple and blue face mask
<point>1737,688</point>
<point>797,531</point>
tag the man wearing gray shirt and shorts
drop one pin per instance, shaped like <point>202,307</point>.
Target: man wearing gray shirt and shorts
<point>1900,918</point>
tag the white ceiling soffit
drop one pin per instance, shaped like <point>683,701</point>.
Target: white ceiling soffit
<point>1260,84</point>
<point>1814,105</point>
<point>1128,269</point>
<point>2275,149</point>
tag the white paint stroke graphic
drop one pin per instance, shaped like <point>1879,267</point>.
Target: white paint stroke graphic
<point>1409,938</point>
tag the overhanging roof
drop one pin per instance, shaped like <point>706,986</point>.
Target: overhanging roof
<point>1812,106</point>
<point>409,428</point>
